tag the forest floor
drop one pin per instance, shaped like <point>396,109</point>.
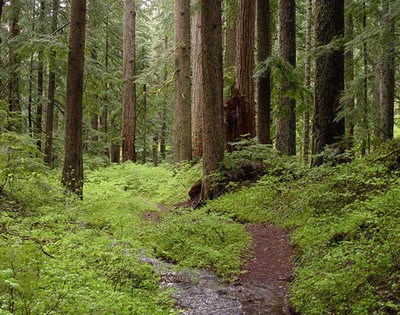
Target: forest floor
<point>271,264</point>
<point>262,288</point>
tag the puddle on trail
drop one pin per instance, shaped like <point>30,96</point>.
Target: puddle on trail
<point>199,292</point>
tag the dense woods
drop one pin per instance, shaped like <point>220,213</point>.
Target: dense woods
<point>275,86</point>
<point>219,93</point>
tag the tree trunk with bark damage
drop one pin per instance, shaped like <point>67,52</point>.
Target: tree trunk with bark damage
<point>244,85</point>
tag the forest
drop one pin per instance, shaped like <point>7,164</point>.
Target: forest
<point>199,157</point>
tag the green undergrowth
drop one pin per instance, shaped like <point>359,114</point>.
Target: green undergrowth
<point>345,226</point>
<point>59,255</point>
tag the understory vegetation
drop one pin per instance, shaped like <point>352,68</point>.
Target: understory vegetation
<point>59,255</point>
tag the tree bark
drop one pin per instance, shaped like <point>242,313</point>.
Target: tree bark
<point>155,150</point>
<point>387,74</point>
<point>212,86</point>
<point>264,82</point>
<point>40,81</point>
<point>2,2</point>
<point>104,114</point>
<point>30,97</point>
<point>13,86</point>
<point>182,92</point>
<point>163,140</point>
<point>329,78</point>
<point>72,176</point>
<point>115,150</point>
<point>244,66</point>
<point>197,141</point>
<point>144,157</point>
<point>366,142</point>
<point>349,77</point>
<point>230,35</point>
<point>307,83</point>
<point>286,115</point>
<point>48,150</point>
<point>129,88</point>
<point>1,42</point>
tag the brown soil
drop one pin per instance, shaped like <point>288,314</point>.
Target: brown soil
<point>263,288</point>
<point>271,264</point>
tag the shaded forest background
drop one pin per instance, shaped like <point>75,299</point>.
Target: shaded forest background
<point>273,52</point>
<point>261,87</point>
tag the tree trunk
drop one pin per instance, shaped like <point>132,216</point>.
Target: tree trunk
<point>1,44</point>
<point>95,100</point>
<point>230,34</point>
<point>329,78</point>
<point>13,86</point>
<point>212,86</point>
<point>104,115</point>
<point>286,115</point>
<point>72,176</point>
<point>48,151</point>
<point>197,141</point>
<point>307,83</point>
<point>115,150</point>
<point>155,150</point>
<point>387,77</point>
<point>182,93</point>
<point>40,81</point>
<point>144,157</point>
<point>244,85</point>
<point>129,88</point>
<point>30,97</point>
<point>366,142</point>
<point>349,77</point>
<point>264,82</point>
<point>163,140</point>
<point>2,2</point>
<point>94,125</point>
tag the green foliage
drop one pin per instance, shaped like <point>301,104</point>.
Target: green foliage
<point>68,256</point>
<point>345,228</point>
<point>282,69</point>
<point>198,239</point>
<point>22,172</point>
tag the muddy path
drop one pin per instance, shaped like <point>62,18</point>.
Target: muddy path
<point>261,289</point>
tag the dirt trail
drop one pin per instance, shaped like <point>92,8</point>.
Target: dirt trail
<point>271,263</point>
<point>262,289</point>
